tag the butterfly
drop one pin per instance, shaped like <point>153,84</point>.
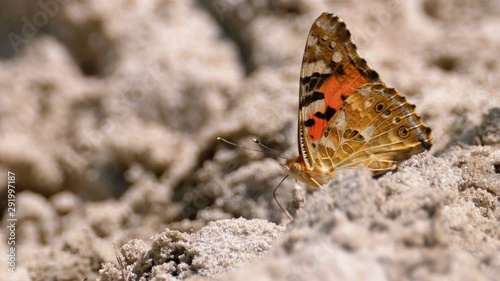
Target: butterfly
<point>348,117</point>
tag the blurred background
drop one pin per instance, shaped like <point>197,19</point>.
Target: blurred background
<point>109,110</point>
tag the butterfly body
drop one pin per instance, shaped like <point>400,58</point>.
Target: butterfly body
<point>348,117</point>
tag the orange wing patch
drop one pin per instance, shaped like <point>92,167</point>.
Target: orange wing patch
<point>338,88</point>
<point>335,89</point>
<point>331,71</point>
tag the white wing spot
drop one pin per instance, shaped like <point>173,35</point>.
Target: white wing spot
<point>333,44</point>
<point>368,132</point>
<point>327,142</point>
<point>368,103</point>
<point>317,105</point>
<point>325,38</point>
<point>323,24</point>
<point>312,41</point>
<point>365,92</point>
<point>341,123</point>
<point>337,57</point>
<point>316,66</point>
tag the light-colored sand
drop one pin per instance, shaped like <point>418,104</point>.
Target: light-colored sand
<point>110,112</point>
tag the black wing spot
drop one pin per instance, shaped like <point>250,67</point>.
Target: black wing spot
<point>371,74</point>
<point>315,75</point>
<point>309,122</point>
<point>312,84</point>
<point>306,79</point>
<point>315,96</point>
<point>327,115</point>
<point>338,70</point>
<point>426,145</point>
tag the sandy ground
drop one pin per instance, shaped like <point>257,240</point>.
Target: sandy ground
<point>110,112</point>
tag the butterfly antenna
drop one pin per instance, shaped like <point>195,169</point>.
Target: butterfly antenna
<point>237,145</point>
<point>272,151</point>
<point>276,199</point>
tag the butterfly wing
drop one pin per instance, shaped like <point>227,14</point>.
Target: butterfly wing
<point>331,71</point>
<point>375,128</point>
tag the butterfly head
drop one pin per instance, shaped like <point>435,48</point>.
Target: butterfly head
<point>293,167</point>
<point>298,170</point>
